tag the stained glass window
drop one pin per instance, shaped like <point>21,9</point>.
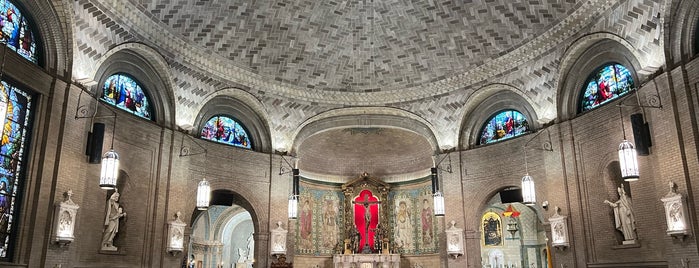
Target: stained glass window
<point>16,32</point>
<point>124,92</point>
<point>605,84</point>
<point>504,125</point>
<point>226,130</point>
<point>15,108</point>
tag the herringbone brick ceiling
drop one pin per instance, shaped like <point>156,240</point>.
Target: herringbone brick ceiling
<point>358,45</point>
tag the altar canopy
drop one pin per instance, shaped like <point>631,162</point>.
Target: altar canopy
<point>365,200</point>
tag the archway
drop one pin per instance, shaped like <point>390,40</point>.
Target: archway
<point>511,236</point>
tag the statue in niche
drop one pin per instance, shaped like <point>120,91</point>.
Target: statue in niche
<point>624,219</point>
<point>251,247</point>
<point>111,222</point>
<point>241,256</point>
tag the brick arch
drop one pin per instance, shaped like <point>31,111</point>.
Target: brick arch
<point>149,68</point>
<point>682,18</point>
<point>363,116</point>
<point>582,58</point>
<point>53,22</point>
<point>488,100</point>
<point>244,107</point>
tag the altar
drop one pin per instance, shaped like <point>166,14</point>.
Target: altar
<point>366,260</point>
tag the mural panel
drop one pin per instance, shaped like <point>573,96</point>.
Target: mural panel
<point>320,217</point>
<point>413,221</point>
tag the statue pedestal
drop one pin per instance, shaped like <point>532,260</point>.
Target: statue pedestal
<point>367,260</point>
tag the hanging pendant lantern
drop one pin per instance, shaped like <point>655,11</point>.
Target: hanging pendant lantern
<point>203,195</point>
<point>528,190</point>
<point>293,206</point>
<point>438,204</point>
<point>628,163</point>
<point>110,170</point>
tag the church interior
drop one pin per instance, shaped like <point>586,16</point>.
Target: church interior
<point>349,133</point>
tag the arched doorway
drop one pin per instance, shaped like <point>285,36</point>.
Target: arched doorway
<point>512,236</point>
<point>223,235</point>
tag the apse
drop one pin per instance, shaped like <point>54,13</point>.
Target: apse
<point>381,152</point>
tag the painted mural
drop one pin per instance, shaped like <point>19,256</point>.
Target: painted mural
<point>413,221</point>
<point>319,221</point>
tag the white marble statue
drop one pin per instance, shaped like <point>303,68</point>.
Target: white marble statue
<point>111,222</point>
<point>251,248</point>
<point>624,219</point>
<point>241,256</point>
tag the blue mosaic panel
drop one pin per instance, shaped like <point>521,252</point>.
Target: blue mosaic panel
<point>16,32</point>
<point>504,125</point>
<point>124,92</point>
<point>15,109</point>
<point>604,85</point>
<point>226,130</point>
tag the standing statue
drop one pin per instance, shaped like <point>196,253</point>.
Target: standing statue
<point>624,219</point>
<point>111,222</point>
<point>251,248</point>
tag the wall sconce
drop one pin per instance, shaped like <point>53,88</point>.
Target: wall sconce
<point>175,235</point>
<point>64,220</point>
<point>559,230</point>
<point>203,194</point>
<point>675,213</point>
<point>294,196</point>
<point>437,194</point>
<point>278,241</point>
<point>455,240</point>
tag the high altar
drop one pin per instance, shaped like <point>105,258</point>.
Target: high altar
<point>367,240</point>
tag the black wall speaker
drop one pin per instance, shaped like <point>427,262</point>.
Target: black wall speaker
<point>511,196</point>
<point>94,143</point>
<point>641,134</point>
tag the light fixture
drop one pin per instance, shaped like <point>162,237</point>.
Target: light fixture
<point>294,196</point>
<point>437,194</point>
<point>628,162</point>
<point>110,170</point>
<point>512,227</point>
<point>528,190</point>
<point>203,194</point>
<point>110,165</point>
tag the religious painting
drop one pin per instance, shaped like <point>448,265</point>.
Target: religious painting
<point>413,221</point>
<point>427,226</point>
<point>403,234</point>
<point>492,229</point>
<point>366,218</point>
<point>330,222</point>
<point>605,84</point>
<point>319,220</point>
<point>305,231</point>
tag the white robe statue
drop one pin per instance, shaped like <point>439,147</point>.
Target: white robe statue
<point>624,219</point>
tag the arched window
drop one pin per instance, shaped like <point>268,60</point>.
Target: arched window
<point>605,84</point>
<point>226,130</point>
<point>15,109</point>
<point>123,91</point>
<point>16,31</point>
<point>504,125</point>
